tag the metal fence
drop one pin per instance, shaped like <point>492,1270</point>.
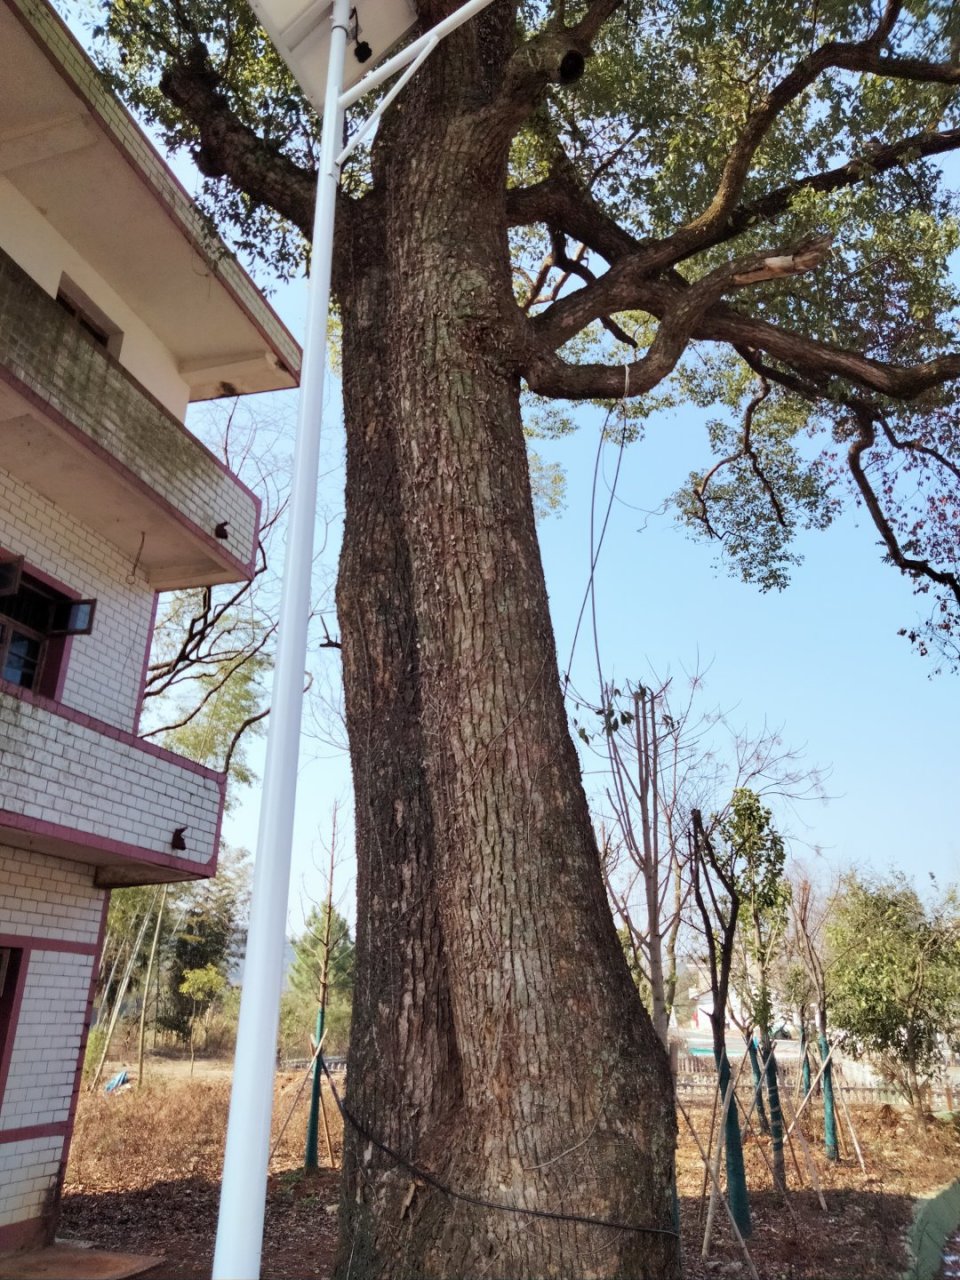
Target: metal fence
<point>696,1073</point>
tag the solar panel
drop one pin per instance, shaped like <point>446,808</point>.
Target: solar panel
<point>301,33</point>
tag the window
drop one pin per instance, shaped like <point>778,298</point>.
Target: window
<point>94,322</point>
<point>10,961</point>
<point>35,619</point>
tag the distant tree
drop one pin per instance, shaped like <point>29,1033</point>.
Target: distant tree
<point>766,900</point>
<point>737,872</point>
<point>209,931</point>
<point>810,914</point>
<point>718,902</point>
<point>895,968</point>
<point>323,954</point>
<point>666,756</point>
<point>202,987</point>
<point>125,918</point>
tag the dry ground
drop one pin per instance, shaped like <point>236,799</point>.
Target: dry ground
<point>144,1168</point>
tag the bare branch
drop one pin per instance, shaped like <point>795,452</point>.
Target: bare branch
<point>915,567</point>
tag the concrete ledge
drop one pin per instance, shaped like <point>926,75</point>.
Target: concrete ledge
<point>935,1218</point>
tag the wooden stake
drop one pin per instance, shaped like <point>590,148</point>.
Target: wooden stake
<point>706,1173</point>
<point>842,1148</point>
<point>773,1177</point>
<point>793,1153</point>
<point>813,1085</point>
<point>326,1130</point>
<point>808,1158</point>
<point>736,1230</point>
<point>841,1090</point>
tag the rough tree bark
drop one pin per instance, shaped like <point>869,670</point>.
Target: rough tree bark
<point>485,945</point>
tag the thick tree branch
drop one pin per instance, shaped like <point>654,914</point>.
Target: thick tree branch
<point>561,203</point>
<point>229,147</point>
<point>548,374</point>
<point>623,288</point>
<point>880,159</point>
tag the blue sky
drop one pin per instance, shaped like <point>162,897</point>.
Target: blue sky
<point>820,661</point>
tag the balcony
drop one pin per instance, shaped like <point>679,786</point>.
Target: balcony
<point>78,788</point>
<point>76,427</point>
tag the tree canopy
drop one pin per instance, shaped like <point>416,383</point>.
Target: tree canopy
<point>739,208</point>
<point>895,967</point>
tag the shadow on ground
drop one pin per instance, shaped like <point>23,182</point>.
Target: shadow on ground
<point>860,1237</point>
<point>178,1220</point>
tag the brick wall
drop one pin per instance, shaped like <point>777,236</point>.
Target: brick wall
<point>104,668</point>
<point>75,775</point>
<point>49,1030</point>
<point>51,909</point>
<point>42,897</point>
<point>28,1174</point>
<point>47,352</point>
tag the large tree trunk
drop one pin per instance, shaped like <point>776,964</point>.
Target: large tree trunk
<point>498,1042</point>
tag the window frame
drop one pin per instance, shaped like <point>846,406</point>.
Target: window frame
<point>89,318</point>
<point>11,998</point>
<point>55,642</point>
<point>15,564</point>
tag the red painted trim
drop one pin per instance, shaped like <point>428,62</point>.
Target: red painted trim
<point>219,828</point>
<point>28,1132</point>
<point>210,544</point>
<point>66,648</point>
<point>71,837</point>
<point>47,944</point>
<point>109,731</point>
<point>81,1052</point>
<point>146,661</point>
<point>16,1236</point>
<point>18,990</point>
<point>184,230</point>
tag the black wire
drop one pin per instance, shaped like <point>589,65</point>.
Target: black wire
<point>552,1214</point>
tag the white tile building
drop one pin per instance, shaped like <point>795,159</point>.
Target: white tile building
<point>116,310</point>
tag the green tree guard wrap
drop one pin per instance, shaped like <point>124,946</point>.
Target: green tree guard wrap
<point>776,1118</point>
<point>310,1158</point>
<point>736,1173</point>
<point>805,1063</point>
<point>829,1116</point>
<point>755,1068</point>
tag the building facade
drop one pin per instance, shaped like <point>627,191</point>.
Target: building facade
<point>117,309</point>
